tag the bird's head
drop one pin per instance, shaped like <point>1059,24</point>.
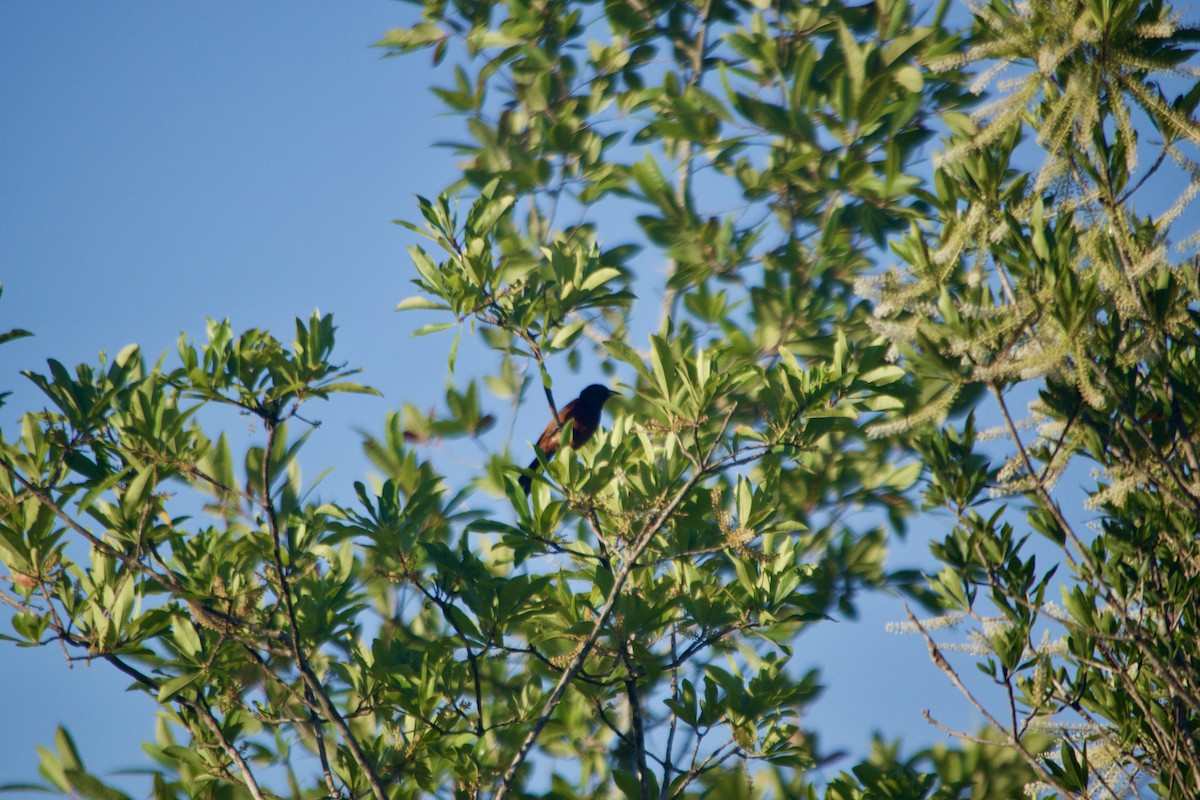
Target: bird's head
<point>596,394</point>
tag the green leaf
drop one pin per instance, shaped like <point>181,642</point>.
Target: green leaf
<point>92,787</point>
<point>433,327</point>
<point>600,277</point>
<point>97,489</point>
<point>910,78</point>
<point>186,637</point>
<point>168,689</point>
<point>422,303</point>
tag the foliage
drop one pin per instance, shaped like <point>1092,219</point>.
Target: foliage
<point>628,629</point>
<point>1061,278</point>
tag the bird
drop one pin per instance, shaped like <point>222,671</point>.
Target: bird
<point>584,415</point>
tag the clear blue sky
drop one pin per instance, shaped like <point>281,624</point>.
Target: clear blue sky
<point>165,162</point>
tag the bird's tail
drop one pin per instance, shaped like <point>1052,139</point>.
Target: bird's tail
<point>525,481</point>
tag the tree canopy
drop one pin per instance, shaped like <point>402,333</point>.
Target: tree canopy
<point>814,247</point>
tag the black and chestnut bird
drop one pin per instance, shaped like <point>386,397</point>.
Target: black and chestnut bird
<point>584,415</point>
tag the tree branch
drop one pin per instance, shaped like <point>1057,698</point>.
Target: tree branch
<point>315,694</point>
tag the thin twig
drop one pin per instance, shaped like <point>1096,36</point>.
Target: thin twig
<point>939,660</point>
<point>636,721</point>
<point>668,768</point>
<point>314,692</point>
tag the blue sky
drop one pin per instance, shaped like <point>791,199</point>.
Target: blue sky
<point>165,162</point>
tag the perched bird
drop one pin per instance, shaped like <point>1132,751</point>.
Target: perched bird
<point>584,415</point>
